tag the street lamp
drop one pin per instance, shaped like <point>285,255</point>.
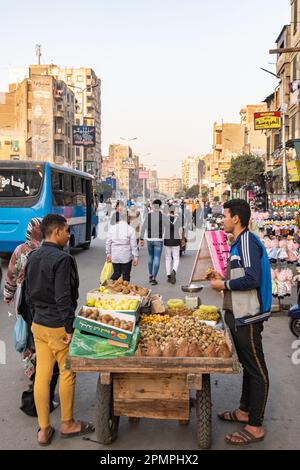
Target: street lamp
<point>82,91</point>
<point>283,143</point>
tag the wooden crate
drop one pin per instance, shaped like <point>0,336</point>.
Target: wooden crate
<point>151,396</point>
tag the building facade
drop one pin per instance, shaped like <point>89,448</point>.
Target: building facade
<point>87,89</point>
<point>169,186</point>
<point>40,111</point>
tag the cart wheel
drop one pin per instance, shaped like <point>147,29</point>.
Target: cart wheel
<point>106,423</point>
<point>203,411</point>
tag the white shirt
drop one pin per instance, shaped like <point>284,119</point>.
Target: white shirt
<point>121,243</point>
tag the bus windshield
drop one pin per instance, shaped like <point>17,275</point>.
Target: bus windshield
<point>20,183</point>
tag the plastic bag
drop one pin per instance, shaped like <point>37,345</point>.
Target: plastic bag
<point>95,347</point>
<point>106,272</point>
<point>20,334</point>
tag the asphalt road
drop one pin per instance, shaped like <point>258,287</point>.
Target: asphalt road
<point>282,422</point>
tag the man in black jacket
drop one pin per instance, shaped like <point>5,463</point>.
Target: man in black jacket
<point>51,280</point>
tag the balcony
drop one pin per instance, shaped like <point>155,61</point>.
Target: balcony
<point>59,159</point>
<point>59,113</point>
<point>59,135</point>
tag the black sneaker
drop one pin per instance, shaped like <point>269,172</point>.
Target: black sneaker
<point>169,278</point>
<point>173,277</point>
<point>150,279</point>
<point>154,282</point>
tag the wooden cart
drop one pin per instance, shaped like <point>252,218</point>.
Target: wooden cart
<point>154,387</point>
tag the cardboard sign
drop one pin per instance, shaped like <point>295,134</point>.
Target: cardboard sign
<point>213,253</point>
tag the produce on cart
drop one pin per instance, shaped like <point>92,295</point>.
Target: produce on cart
<point>124,287</point>
<point>181,337</point>
<point>149,363</point>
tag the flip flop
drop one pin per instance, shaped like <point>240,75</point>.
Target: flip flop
<point>86,428</point>
<point>50,437</point>
<point>232,417</point>
<point>245,437</point>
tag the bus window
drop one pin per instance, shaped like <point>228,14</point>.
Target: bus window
<point>78,185</point>
<point>73,185</point>
<point>20,183</point>
<point>83,186</point>
<point>67,183</point>
<point>61,181</point>
<point>55,180</point>
<point>20,187</point>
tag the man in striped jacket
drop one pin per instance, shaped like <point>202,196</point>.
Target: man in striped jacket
<point>247,304</point>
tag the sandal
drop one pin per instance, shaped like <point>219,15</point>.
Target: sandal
<point>245,438</point>
<point>232,417</point>
<point>50,437</point>
<point>86,428</point>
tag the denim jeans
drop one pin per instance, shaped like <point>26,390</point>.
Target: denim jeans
<point>154,252</point>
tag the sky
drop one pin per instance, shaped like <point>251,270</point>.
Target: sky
<point>169,68</point>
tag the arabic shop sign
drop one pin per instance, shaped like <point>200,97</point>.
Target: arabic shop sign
<point>84,136</point>
<point>267,120</point>
<point>293,171</point>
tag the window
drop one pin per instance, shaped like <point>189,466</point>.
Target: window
<point>67,180</point>
<point>293,126</point>
<point>79,78</point>
<point>77,122</point>
<point>295,18</point>
<point>77,151</point>
<point>276,141</point>
<point>268,147</point>
<point>73,185</point>
<point>29,183</point>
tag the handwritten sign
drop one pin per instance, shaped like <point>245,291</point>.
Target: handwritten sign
<point>267,120</point>
<point>219,250</point>
<point>213,253</point>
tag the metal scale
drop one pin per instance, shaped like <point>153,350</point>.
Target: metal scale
<point>191,299</point>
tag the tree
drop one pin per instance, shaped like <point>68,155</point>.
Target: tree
<point>193,192</point>
<point>180,194</point>
<point>245,170</point>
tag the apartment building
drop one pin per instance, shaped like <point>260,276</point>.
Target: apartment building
<point>38,114</point>
<point>190,171</point>
<point>86,86</point>
<point>169,186</point>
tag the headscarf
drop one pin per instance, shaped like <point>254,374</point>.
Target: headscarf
<point>34,234</point>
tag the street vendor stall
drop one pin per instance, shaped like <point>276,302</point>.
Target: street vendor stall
<point>149,364</point>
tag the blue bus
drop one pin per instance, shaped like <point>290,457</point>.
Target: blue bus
<point>34,189</point>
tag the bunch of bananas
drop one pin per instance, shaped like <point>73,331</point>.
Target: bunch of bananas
<point>207,312</point>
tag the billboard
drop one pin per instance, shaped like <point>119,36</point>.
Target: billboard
<point>267,120</point>
<point>111,182</point>
<point>293,171</point>
<point>84,136</point>
<point>143,175</point>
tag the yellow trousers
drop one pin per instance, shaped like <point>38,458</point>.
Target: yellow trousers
<point>50,348</point>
